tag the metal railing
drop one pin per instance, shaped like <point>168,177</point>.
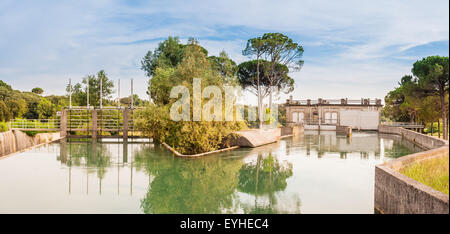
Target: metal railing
<point>403,124</point>
<point>37,124</point>
<point>336,101</point>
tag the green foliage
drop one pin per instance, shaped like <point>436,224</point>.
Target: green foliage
<point>31,133</point>
<point>432,172</point>
<point>45,109</point>
<point>15,104</point>
<point>169,53</point>
<point>189,137</point>
<point>417,96</point>
<point>37,90</point>
<point>186,137</point>
<point>433,79</point>
<point>5,114</point>
<point>79,91</point>
<point>137,101</point>
<point>4,126</point>
<point>5,85</point>
<point>248,79</point>
<point>226,67</point>
<point>283,50</point>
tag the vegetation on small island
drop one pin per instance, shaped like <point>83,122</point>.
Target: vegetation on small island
<point>423,96</point>
<point>172,64</point>
<point>432,172</point>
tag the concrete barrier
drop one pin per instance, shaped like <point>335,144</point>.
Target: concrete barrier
<point>424,141</point>
<point>257,137</point>
<point>343,130</point>
<point>292,130</point>
<point>16,141</point>
<point>396,193</point>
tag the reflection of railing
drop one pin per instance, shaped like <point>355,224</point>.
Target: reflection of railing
<point>35,124</point>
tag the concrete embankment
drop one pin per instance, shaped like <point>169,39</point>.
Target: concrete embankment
<point>396,193</point>
<point>249,138</point>
<point>16,141</point>
<point>258,137</point>
<point>422,140</point>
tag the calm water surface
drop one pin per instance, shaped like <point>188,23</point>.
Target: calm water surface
<point>306,174</point>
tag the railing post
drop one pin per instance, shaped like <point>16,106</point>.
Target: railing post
<point>94,125</point>
<point>125,124</point>
<point>63,123</point>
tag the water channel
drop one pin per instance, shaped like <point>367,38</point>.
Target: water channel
<point>311,173</point>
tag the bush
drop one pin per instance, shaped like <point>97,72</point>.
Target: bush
<point>31,133</point>
<point>187,137</point>
<point>4,126</point>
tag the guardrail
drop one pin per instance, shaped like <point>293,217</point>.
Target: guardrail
<point>38,124</point>
<point>343,101</point>
<point>404,124</point>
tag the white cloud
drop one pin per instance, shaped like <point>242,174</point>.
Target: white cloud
<point>43,44</point>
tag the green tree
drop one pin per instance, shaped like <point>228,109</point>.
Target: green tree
<point>226,67</point>
<point>17,107</point>
<point>188,137</point>
<point>433,78</point>
<point>5,85</point>
<point>45,109</point>
<point>402,103</point>
<point>37,90</point>
<point>169,53</point>
<point>256,48</point>
<point>247,77</point>
<point>79,91</point>
<point>280,49</point>
<point>5,114</point>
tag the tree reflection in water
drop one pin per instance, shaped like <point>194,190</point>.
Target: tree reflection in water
<point>265,178</point>
<point>179,185</point>
<point>210,184</point>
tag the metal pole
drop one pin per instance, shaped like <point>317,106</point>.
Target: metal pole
<point>118,94</point>
<point>101,92</point>
<point>132,93</point>
<point>87,93</point>
<point>70,93</point>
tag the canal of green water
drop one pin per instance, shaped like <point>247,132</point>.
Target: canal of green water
<point>312,173</point>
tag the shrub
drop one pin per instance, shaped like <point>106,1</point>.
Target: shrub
<point>189,137</point>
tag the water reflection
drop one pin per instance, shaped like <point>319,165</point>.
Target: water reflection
<point>311,173</point>
<point>266,177</point>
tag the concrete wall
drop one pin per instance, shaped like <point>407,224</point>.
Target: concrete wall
<point>14,141</point>
<point>356,116</point>
<point>322,127</point>
<point>360,119</point>
<point>424,141</point>
<point>292,130</point>
<point>396,193</point>
<point>343,130</point>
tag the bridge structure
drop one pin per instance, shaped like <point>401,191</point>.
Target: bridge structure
<point>84,122</point>
<point>407,125</point>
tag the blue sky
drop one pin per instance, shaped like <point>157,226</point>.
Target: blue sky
<point>352,48</point>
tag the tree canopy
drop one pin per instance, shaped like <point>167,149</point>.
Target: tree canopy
<point>416,96</point>
<point>37,90</point>
<point>248,79</point>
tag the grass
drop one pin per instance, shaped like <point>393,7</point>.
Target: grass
<point>433,173</point>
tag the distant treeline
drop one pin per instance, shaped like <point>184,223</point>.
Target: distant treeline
<point>34,105</point>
